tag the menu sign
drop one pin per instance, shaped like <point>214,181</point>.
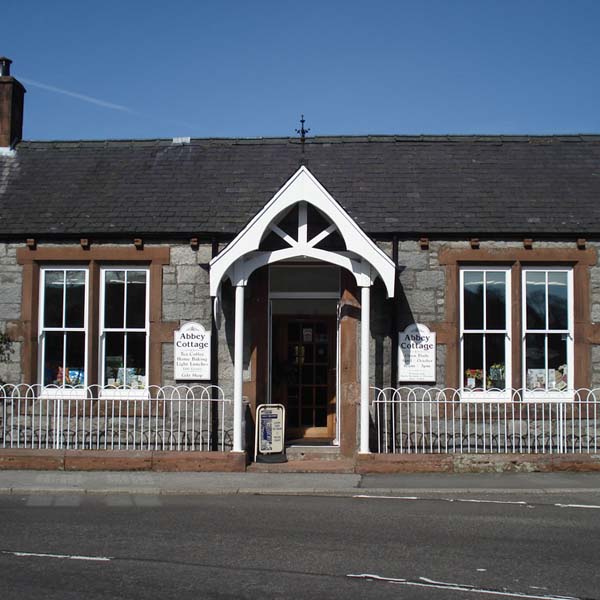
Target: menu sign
<point>192,352</point>
<point>270,433</point>
<point>416,354</point>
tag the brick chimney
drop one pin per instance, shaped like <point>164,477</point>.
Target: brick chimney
<point>12,95</point>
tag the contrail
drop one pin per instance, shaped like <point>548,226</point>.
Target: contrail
<point>83,97</point>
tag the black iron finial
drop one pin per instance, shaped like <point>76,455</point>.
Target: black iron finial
<point>302,132</point>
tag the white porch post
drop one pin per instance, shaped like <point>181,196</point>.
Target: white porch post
<point>238,369</point>
<point>365,317</point>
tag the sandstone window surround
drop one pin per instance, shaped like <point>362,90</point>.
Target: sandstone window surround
<point>519,262</point>
<point>94,259</point>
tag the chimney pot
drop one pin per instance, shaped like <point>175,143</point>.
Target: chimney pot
<point>5,66</point>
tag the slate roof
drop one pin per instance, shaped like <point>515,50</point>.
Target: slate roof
<point>446,185</point>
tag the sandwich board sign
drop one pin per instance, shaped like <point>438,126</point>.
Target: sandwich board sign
<point>192,352</point>
<point>269,440</point>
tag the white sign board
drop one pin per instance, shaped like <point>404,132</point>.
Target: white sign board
<point>192,352</point>
<point>270,430</point>
<point>416,354</point>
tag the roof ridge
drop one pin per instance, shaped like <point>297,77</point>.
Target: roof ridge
<point>371,138</point>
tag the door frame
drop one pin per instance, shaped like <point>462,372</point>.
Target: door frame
<point>331,323</point>
<point>337,342</point>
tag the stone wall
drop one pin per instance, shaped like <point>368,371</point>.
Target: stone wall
<point>595,316</point>
<point>185,297</point>
<point>10,309</point>
<point>422,299</point>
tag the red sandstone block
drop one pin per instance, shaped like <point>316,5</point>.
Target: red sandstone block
<point>35,460</point>
<point>107,460</point>
<point>404,463</point>
<point>226,462</point>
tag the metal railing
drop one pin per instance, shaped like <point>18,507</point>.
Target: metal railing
<point>180,418</point>
<point>417,420</point>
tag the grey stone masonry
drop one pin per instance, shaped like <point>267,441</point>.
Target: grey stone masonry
<point>421,295</point>
<point>185,295</point>
<point>11,282</point>
<point>186,285</point>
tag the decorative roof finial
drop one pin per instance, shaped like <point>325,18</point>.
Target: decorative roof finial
<point>302,132</point>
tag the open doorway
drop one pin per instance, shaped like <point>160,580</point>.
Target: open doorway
<point>304,349</point>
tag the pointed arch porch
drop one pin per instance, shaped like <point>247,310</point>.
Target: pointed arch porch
<point>358,255</point>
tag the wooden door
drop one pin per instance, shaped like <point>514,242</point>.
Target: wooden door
<point>303,374</point>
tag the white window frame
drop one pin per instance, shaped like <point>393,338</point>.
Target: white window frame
<point>467,394</point>
<point>115,392</point>
<point>548,394</point>
<point>54,390</point>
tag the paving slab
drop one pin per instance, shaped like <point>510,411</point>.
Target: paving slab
<point>145,483</point>
<point>470,482</point>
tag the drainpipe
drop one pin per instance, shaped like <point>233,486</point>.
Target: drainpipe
<point>214,356</point>
<point>394,319</point>
<point>214,346</point>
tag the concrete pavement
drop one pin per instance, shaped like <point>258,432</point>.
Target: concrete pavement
<point>326,484</point>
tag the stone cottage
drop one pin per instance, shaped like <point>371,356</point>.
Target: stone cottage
<point>346,278</point>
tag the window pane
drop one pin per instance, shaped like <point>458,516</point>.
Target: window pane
<point>136,299</point>
<point>292,415</point>
<point>53,299</point>
<point>536,299</point>
<point>114,298</point>
<point>557,361</point>
<point>75,367</point>
<point>321,374</point>
<point>473,360</point>
<point>321,417</point>
<point>293,332</point>
<point>558,300</point>
<point>308,375</point>
<point>307,417</point>
<point>321,397</point>
<point>53,357</point>
<point>473,299</point>
<point>75,299</point>
<point>495,360</point>
<point>495,296</point>
<point>535,361</point>
<point>114,363</point>
<point>136,360</point>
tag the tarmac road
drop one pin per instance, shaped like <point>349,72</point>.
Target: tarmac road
<point>103,546</point>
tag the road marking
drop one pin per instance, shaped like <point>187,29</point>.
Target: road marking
<point>389,497</point>
<point>577,505</point>
<point>67,556</point>
<point>474,500</point>
<point>486,501</point>
<point>460,587</point>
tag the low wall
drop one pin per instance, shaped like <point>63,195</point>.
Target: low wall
<point>476,463</point>
<point>121,460</point>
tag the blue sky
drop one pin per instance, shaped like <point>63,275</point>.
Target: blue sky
<point>96,70</point>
